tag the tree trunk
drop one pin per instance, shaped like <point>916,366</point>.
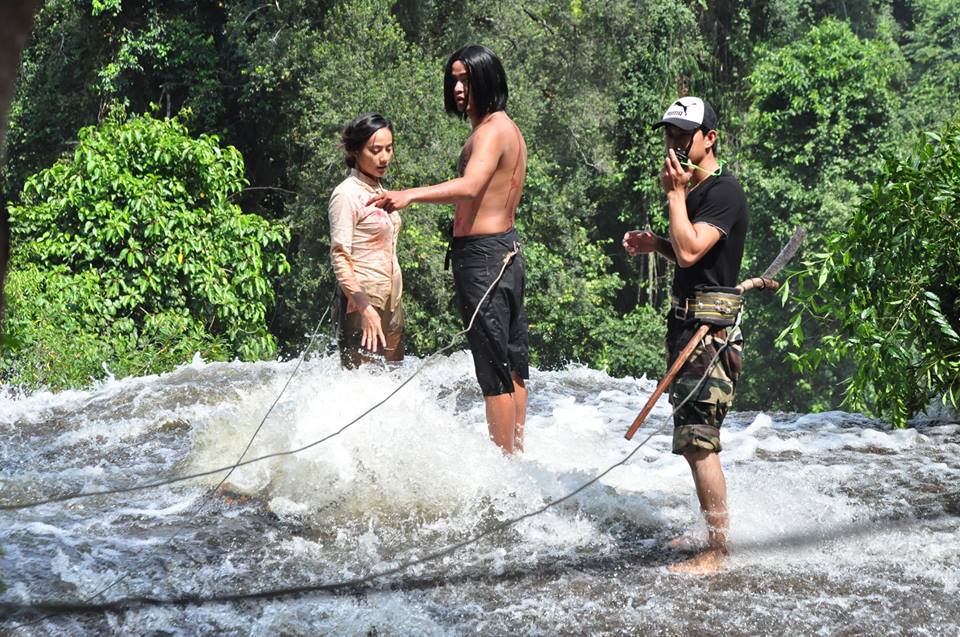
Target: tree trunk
<point>16,20</point>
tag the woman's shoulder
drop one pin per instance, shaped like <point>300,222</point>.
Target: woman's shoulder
<point>347,185</point>
<point>347,191</point>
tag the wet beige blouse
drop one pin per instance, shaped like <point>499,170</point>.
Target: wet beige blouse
<point>363,245</point>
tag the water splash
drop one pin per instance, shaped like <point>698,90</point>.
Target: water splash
<point>838,522</point>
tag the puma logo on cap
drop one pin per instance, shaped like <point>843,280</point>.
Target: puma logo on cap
<point>689,113</point>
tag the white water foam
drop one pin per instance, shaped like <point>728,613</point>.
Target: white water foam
<point>820,495</point>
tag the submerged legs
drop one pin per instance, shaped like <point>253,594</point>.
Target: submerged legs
<point>506,415</point>
<point>712,494</point>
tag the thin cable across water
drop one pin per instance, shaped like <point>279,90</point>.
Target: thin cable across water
<point>239,462</point>
<point>207,496</point>
<point>272,593</point>
<point>242,463</point>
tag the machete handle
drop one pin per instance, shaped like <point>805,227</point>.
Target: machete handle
<point>674,370</point>
<point>758,283</point>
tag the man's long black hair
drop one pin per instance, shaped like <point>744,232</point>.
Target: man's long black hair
<point>487,81</point>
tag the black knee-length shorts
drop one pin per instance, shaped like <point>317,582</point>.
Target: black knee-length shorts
<point>498,338</point>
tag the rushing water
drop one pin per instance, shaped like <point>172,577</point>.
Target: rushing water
<point>840,525</point>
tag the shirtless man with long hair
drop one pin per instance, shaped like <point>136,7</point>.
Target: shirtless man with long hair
<point>492,171</point>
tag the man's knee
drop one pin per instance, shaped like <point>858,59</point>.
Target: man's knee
<point>695,455</point>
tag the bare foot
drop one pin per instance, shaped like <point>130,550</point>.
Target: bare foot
<point>230,496</point>
<point>685,544</point>
<point>708,562</point>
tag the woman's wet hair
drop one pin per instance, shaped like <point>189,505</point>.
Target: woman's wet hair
<point>357,132</point>
<point>488,81</point>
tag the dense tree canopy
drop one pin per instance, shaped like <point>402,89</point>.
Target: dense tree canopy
<point>889,285</point>
<point>813,97</point>
<point>140,218</point>
<point>820,107</point>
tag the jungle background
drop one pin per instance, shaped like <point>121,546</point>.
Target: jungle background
<point>169,162</point>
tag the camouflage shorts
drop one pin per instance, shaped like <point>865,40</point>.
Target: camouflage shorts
<point>697,422</point>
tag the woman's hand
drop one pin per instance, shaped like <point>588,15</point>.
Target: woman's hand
<point>372,330</point>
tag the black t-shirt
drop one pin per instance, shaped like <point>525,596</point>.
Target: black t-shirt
<point>719,201</point>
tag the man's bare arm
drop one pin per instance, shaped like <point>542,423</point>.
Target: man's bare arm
<point>689,241</point>
<point>483,162</point>
<point>637,242</point>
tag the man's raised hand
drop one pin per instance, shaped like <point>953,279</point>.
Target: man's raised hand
<point>390,200</point>
<point>675,176</point>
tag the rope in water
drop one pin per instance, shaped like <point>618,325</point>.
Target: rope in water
<point>151,485</point>
<point>241,463</point>
<point>119,604</point>
<point>206,496</point>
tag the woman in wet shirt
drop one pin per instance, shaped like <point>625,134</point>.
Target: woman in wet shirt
<point>363,248</point>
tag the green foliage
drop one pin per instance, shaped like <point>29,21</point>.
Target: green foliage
<point>633,344</point>
<point>569,289</point>
<point>931,47</point>
<point>779,22</point>
<point>810,94</point>
<point>147,210</point>
<point>86,56</point>
<point>104,6</point>
<point>890,285</point>
<point>821,108</point>
<point>56,335</point>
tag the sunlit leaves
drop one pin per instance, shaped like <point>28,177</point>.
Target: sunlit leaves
<point>891,282</point>
<point>822,109</point>
<point>148,208</point>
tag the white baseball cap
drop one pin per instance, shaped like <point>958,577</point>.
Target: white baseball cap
<point>689,113</point>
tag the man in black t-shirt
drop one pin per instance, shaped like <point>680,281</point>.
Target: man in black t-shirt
<point>708,226</point>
